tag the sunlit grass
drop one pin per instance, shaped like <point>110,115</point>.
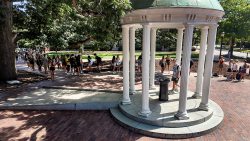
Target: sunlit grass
<point>107,55</point>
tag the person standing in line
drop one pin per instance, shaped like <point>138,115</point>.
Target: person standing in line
<point>113,63</point>
<point>39,62</point>
<point>162,64</point>
<point>243,70</point>
<point>45,63</point>
<point>229,70</point>
<point>118,63</point>
<point>52,68</point>
<point>90,63</point>
<point>72,61</point>
<point>139,63</point>
<point>98,62</point>
<point>78,63</point>
<point>221,65</point>
<point>32,62</point>
<point>168,61</point>
<point>176,76</point>
<point>191,65</point>
<point>64,64</point>
<point>235,68</point>
<point>67,60</point>
<point>58,62</point>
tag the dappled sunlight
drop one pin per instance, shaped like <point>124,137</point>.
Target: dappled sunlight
<point>75,96</point>
<point>23,125</point>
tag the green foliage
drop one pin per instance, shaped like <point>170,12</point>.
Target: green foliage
<point>166,38</point>
<point>236,22</point>
<point>60,25</point>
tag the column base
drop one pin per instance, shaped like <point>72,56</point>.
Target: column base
<point>152,87</point>
<point>203,107</point>
<point>126,102</point>
<point>132,92</point>
<point>181,116</point>
<point>197,95</point>
<point>144,114</point>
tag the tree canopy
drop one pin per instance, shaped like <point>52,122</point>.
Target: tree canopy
<point>61,24</point>
<point>236,23</point>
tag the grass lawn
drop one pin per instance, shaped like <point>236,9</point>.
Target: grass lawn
<point>107,55</point>
<point>242,50</point>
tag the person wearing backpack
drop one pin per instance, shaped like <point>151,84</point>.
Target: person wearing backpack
<point>98,62</point>
<point>176,76</point>
<point>243,70</point>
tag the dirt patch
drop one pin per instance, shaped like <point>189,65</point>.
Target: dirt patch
<point>25,78</point>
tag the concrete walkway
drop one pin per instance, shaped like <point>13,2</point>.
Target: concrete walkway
<point>232,96</point>
<point>62,99</point>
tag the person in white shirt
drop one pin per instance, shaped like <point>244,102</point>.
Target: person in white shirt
<point>229,70</point>
<point>176,76</point>
<point>235,68</point>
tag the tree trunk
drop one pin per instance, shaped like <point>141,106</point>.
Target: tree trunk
<point>7,49</point>
<point>232,47</point>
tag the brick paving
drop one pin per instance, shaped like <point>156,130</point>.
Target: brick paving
<point>232,96</point>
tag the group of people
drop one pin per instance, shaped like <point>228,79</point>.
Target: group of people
<point>116,64</point>
<point>234,70</point>
<point>71,64</point>
<point>165,63</point>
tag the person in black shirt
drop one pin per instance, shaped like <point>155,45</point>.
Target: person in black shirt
<point>78,64</point>
<point>191,64</point>
<point>72,61</point>
<point>98,62</point>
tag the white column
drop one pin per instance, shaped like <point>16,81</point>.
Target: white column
<point>208,67</point>
<point>145,111</point>
<point>185,67</point>
<point>152,59</point>
<point>179,45</point>
<point>132,60</point>
<point>125,46</point>
<point>202,54</point>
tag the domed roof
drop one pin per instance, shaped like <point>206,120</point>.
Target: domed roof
<point>208,4</point>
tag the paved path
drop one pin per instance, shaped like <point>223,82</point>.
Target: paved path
<point>233,97</point>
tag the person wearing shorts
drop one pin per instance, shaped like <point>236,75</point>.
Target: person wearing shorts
<point>229,70</point>
<point>243,70</point>
<point>235,68</point>
<point>98,62</point>
<point>118,63</point>
<point>221,64</point>
<point>52,68</point>
<point>90,63</point>
<point>176,76</point>
<point>168,61</point>
<point>162,64</point>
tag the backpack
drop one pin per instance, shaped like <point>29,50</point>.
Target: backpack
<point>238,76</point>
<point>99,59</point>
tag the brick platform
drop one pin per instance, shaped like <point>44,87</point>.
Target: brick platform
<point>233,97</point>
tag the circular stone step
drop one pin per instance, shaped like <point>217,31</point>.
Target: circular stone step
<point>171,132</point>
<point>163,112</point>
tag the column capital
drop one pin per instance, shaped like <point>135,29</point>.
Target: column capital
<point>125,26</point>
<point>147,25</point>
<point>132,28</point>
<point>205,27</point>
<point>154,28</point>
<point>188,25</point>
<point>213,26</point>
<point>181,28</point>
